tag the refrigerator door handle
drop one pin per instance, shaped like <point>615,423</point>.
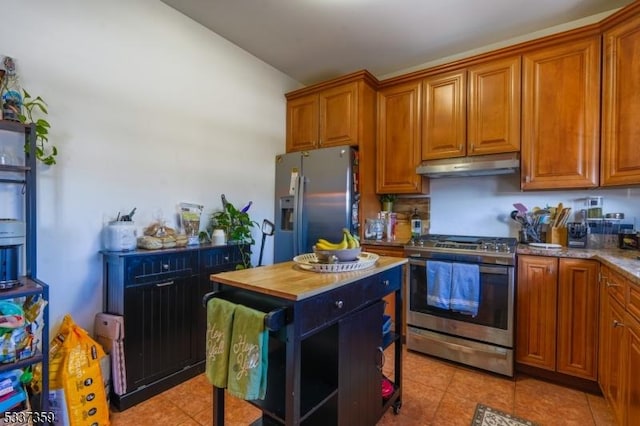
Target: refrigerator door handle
<point>298,198</point>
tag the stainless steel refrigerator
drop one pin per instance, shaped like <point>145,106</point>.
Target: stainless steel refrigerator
<point>316,197</point>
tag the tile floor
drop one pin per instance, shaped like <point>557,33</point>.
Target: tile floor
<point>435,392</point>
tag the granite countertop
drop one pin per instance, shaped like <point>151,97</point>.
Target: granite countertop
<point>627,262</point>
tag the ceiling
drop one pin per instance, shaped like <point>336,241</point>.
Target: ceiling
<point>316,40</point>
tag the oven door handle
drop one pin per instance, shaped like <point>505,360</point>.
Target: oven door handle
<point>484,269</point>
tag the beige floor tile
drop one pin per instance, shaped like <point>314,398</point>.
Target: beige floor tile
<point>419,404</point>
<point>601,411</point>
<point>454,410</point>
<point>497,392</point>
<point>426,370</point>
<point>153,412</point>
<point>551,404</point>
<point>434,393</point>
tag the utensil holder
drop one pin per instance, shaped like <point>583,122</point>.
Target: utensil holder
<point>557,235</point>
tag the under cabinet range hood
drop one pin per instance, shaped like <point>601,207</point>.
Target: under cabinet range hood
<point>479,165</point>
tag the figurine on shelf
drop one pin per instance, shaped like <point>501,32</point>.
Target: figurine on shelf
<point>11,98</point>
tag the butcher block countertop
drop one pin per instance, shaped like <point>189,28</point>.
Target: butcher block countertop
<point>289,281</point>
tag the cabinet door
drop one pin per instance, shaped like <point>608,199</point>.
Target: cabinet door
<point>158,318</point>
<point>560,116</point>
<point>633,366</point>
<point>398,146</point>
<point>614,363</point>
<point>302,123</point>
<point>578,318</point>
<point>359,370</point>
<point>339,116</point>
<point>493,113</point>
<point>621,105</point>
<point>536,311</point>
<point>445,116</point>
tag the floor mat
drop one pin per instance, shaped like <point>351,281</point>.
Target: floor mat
<point>487,416</point>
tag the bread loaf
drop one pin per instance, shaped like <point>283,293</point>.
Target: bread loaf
<point>149,243</point>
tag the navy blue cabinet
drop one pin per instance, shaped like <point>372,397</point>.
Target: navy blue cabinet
<point>159,294</point>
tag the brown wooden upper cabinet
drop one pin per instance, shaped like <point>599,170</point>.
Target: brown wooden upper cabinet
<point>337,112</point>
<point>398,144</point>
<point>560,115</point>
<point>620,163</point>
<point>472,111</point>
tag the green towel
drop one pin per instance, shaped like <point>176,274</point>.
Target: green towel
<point>248,355</point>
<point>219,326</point>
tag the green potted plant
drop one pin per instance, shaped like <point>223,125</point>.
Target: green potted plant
<point>24,111</point>
<point>237,226</point>
<point>29,104</point>
<point>386,201</point>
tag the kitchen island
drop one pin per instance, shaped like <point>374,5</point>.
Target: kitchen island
<point>326,340</point>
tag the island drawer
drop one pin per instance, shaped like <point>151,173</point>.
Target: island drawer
<point>160,267</point>
<point>335,304</point>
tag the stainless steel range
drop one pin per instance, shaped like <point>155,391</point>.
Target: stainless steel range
<point>484,339</point>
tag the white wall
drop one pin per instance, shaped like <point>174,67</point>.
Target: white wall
<point>148,109</point>
<point>481,205</point>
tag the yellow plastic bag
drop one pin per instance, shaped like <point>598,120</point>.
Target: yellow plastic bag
<point>76,389</point>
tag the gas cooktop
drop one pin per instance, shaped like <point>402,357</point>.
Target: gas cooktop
<point>464,248</point>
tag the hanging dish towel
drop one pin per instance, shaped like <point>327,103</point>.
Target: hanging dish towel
<point>220,315</point>
<point>248,355</point>
<point>465,288</point>
<point>438,284</point>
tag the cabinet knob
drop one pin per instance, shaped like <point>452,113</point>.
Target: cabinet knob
<point>339,304</point>
<point>386,283</point>
<point>472,147</point>
<point>617,324</point>
<point>226,258</point>
<point>165,266</point>
<point>610,284</point>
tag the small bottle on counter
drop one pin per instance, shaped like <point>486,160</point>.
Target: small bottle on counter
<point>416,225</point>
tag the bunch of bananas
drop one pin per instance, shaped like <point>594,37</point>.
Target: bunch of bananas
<point>348,242</point>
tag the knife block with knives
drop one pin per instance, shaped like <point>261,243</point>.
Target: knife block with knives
<point>557,232</point>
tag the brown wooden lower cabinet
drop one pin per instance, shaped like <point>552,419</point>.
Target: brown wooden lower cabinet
<point>619,353</point>
<point>394,251</point>
<point>557,315</point>
<point>633,389</point>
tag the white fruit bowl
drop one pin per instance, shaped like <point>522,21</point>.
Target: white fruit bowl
<point>343,255</point>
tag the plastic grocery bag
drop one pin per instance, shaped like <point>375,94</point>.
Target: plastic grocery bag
<point>76,388</point>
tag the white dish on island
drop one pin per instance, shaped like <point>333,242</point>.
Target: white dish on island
<point>310,262</point>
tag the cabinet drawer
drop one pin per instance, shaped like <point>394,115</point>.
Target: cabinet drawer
<point>615,285</point>
<point>220,258</point>
<point>160,267</point>
<point>633,307</point>
<point>331,306</point>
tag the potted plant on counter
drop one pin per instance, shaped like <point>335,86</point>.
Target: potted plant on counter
<point>237,226</point>
<point>387,201</point>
